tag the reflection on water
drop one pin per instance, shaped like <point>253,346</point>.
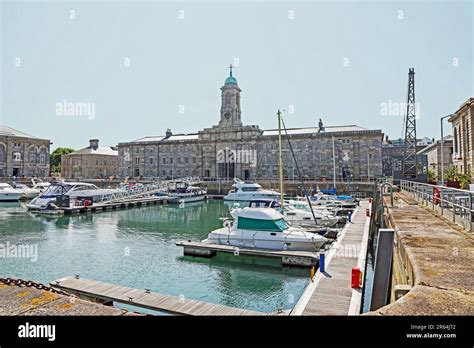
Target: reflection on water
<point>136,248</point>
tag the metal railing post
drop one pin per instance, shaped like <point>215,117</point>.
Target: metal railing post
<point>470,211</point>
<point>453,202</point>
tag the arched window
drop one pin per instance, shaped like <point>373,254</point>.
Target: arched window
<point>32,154</point>
<point>467,147</point>
<point>456,148</point>
<point>2,153</point>
<point>43,156</point>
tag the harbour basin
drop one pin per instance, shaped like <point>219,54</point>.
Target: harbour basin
<point>136,248</point>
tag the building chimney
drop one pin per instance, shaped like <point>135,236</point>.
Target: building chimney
<point>168,133</point>
<point>94,144</point>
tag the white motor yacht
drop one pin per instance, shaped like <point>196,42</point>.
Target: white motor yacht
<point>41,186</point>
<point>244,191</point>
<point>321,199</point>
<point>73,190</point>
<point>264,228</point>
<point>27,192</point>
<point>8,193</point>
<point>182,193</point>
<point>298,216</point>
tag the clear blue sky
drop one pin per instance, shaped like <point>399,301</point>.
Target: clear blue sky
<point>183,61</point>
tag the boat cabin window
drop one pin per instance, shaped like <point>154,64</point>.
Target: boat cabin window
<point>250,189</point>
<point>261,225</point>
<point>84,187</point>
<point>57,190</point>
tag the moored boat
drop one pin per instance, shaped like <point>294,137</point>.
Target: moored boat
<point>75,192</point>
<point>8,193</point>
<point>264,228</point>
<point>246,191</point>
<point>184,193</point>
<point>26,192</point>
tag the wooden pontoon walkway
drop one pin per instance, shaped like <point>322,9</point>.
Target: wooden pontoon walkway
<point>330,293</point>
<point>106,292</point>
<point>288,258</point>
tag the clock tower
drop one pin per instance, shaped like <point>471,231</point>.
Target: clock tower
<point>230,103</point>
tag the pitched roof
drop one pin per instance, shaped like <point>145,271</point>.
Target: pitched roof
<point>11,132</point>
<point>150,138</point>
<point>310,130</point>
<point>102,150</point>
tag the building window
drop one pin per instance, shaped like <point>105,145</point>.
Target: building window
<point>137,160</point>
<point>185,160</point>
<point>151,160</point>
<point>16,157</point>
<point>171,160</point>
<point>179,159</point>
<point>468,148</point>
<point>456,148</point>
<point>164,160</point>
<point>2,153</point>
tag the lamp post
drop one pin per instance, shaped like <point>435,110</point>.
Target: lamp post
<point>442,149</point>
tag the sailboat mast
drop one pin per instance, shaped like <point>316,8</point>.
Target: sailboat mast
<point>281,158</point>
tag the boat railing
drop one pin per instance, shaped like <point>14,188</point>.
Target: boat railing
<point>452,203</point>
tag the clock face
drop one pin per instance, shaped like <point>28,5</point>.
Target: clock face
<point>227,115</point>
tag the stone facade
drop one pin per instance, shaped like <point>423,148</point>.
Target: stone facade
<point>23,155</point>
<point>462,121</point>
<point>92,162</point>
<point>231,149</point>
<point>433,152</point>
<point>392,157</point>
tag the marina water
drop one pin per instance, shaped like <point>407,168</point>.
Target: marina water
<point>136,248</point>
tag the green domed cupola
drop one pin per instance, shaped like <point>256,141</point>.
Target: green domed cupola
<point>231,80</point>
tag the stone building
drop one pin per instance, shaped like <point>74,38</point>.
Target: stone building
<point>461,122</point>
<point>231,149</point>
<point>23,155</point>
<point>92,162</point>
<point>392,157</point>
<point>433,153</point>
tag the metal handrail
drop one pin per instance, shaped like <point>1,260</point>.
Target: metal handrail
<point>446,200</point>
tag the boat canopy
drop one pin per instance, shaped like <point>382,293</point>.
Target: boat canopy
<point>278,225</point>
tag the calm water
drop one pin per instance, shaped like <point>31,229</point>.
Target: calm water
<point>136,248</point>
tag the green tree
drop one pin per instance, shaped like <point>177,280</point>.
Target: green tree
<point>55,158</point>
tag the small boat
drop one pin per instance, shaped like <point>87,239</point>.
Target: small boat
<point>264,228</point>
<point>245,191</point>
<point>27,192</point>
<point>297,216</point>
<point>75,192</point>
<point>40,185</point>
<point>182,193</point>
<point>303,205</point>
<point>331,201</point>
<point>8,193</point>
